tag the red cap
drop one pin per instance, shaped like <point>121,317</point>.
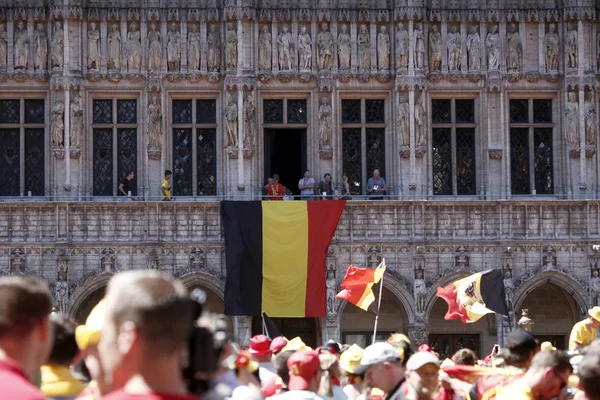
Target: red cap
<point>425,347</point>
<point>278,343</point>
<point>303,365</point>
<point>260,345</point>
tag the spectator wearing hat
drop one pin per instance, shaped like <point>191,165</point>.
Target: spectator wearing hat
<point>305,377</point>
<point>246,371</point>
<point>546,377</point>
<point>26,335</point>
<point>329,387</point>
<point>279,384</point>
<point>403,346</point>
<point>278,344</point>
<point>422,376</point>
<point>349,360</point>
<point>260,348</point>
<point>382,369</point>
<point>588,371</point>
<point>584,332</point>
<point>545,346</point>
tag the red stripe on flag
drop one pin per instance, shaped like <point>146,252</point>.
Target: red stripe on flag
<point>323,217</point>
<point>455,309</point>
<point>355,283</point>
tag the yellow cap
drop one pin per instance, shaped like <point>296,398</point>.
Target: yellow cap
<point>295,344</point>
<point>398,337</point>
<point>547,346</point>
<point>89,333</point>
<point>350,359</point>
<point>594,312</point>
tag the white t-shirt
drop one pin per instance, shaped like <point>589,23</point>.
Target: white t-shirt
<point>304,182</point>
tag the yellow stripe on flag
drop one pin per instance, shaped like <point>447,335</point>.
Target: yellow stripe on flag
<point>285,258</point>
<point>368,296</point>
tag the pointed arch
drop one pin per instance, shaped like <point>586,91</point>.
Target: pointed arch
<point>432,293</point>
<point>560,279</point>
<point>203,279</point>
<point>85,290</point>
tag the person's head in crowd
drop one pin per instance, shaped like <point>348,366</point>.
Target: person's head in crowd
<point>276,178</point>
<point>305,371</point>
<point>330,373</point>
<point>545,346</point>
<point>260,348</point>
<point>246,369</point>
<point>381,367</point>
<point>26,334</point>
<point>588,371</point>
<point>296,344</point>
<point>519,348</point>
<point>548,374</point>
<point>465,357</point>
<point>350,359</point>
<point>147,323</point>
<point>281,366</point>
<point>594,317</point>
<point>422,375</point>
<point>403,346</point>
<point>278,344</point>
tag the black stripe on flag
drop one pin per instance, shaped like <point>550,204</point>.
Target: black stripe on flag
<point>492,291</point>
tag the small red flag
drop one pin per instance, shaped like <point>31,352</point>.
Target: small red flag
<point>358,285</point>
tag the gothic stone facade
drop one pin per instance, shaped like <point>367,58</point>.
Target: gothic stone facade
<point>481,116</point>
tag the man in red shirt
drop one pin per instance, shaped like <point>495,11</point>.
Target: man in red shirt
<point>146,325</point>
<point>25,335</point>
<point>275,189</point>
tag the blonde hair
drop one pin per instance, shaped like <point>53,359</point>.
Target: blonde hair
<point>328,361</point>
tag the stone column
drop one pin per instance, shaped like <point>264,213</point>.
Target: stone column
<point>411,103</point>
<point>444,34</point>
<point>67,119</point>
<point>582,158</point>
<point>240,158</point>
<point>243,326</point>
<point>541,47</point>
<point>418,333</point>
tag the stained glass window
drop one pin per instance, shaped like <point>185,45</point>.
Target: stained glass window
<point>374,111</point>
<point>102,112</point>
<point>441,139</point>
<point>376,150</point>
<point>9,162</point>
<point>206,111</point>
<point>519,160</point>
<point>126,111</point>
<point>441,111</point>
<point>127,155</point>
<point>182,111</point>
<point>182,162</point>
<point>542,111</point>
<point>9,111</point>
<point>34,111</point>
<point>207,162</point>
<point>465,161</point>
<point>296,111</point>
<point>518,111</point>
<point>542,142</point>
<point>34,161</point>
<point>351,112</point>
<point>103,162</point>
<point>465,111</point>
<point>352,158</point>
<point>273,111</point>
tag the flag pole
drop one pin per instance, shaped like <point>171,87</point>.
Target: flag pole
<point>378,303</point>
<point>264,326</point>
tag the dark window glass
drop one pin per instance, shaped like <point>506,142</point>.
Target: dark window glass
<point>102,112</point>
<point>126,111</point>
<point>182,162</point>
<point>542,140</point>
<point>352,158</point>
<point>103,162</point>
<point>465,161</point>
<point>34,162</point>
<point>519,111</point>
<point>127,155</point>
<point>519,160</point>
<point>296,111</point>
<point>351,112</point>
<point>376,150</point>
<point>442,160</point>
<point>542,111</point>
<point>440,112</point>
<point>10,162</point>
<point>9,112</point>
<point>182,111</point>
<point>374,111</point>
<point>465,111</point>
<point>207,162</point>
<point>34,111</point>
<point>273,110</point>
<point>206,111</point>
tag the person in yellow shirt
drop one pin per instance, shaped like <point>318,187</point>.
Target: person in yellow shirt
<point>165,186</point>
<point>547,376</point>
<point>584,332</point>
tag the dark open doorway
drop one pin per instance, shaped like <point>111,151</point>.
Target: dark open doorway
<point>285,155</point>
<point>305,328</point>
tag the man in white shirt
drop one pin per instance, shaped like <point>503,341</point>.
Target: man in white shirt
<point>306,186</point>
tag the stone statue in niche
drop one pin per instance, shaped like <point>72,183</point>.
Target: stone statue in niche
<point>154,122</point>
<point>114,48</point>
<point>76,122</point>
<point>231,47</point>
<point>214,49</point>
<point>364,48</point>
<point>3,47</point>
<point>265,43</point>
<point>325,124</point>
<point>595,287</point>
<point>155,49</point>
<point>57,126</point>
<point>284,48</point>
<point>331,292</point>
<point>419,46</point>
<point>509,287</point>
<point>572,120</point>
<point>57,46</point>
<point>420,291</point>
<point>435,49</point>
<point>194,48</point>
<point>173,48</point>
<point>305,49</point>
<point>571,46</point>
<point>93,47</point>
<point>453,46</point>
<point>344,43</point>
<point>61,294</point>
<point>420,121</point>
<point>492,42</point>
<point>474,49</point>
<point>249,122</point>
<point>404,121</point>
<point>551,46</point>
<point>325,47</point>
<point>383,49</point>
<point>40,48</point>
<point>514,49</point>
<point>134,48</point>
<point>402,46</point>
<point>21,46</point>
<point>231,119</point>
<point>591,124</point>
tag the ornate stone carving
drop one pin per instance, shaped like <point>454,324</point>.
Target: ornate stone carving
<point>214,49</point>
<point>420,122</point>
<point>549,258</point>
<point>383,49</point>
<point>305,49</point>
<point>551,43</point>
<point>595,285</point>
<point>325,47</point>
<point>154,123</point>
<point>591,124</point>
<point>514,57</point>
<point>17,261</point>
<point>93,48</point>
<point>21,46</point>
<point>154,49</point>
<point>76,116</point>
<point>419,46</point>
<point>420,289</point>
<point>404,121</point>
<point>572,120</point>
<point>453,46</point>
<point>114,48</point>
<point>325,124</point>
<point>197,258</point>
<point>364,48</point>
<point>57,125</point>
<point>509,286</point>
<point>265,52</point>
<point>231,47</point>
<point>461,258</point>
<point>571,45</point>
<point>173,48</point>
<point>194,48</point>
<point>402,46</point>
<point>152,260</point>
<point>474,49</point>
<point>231,121</point>
<point>435,49</point>
<point>134,48</point>
<point>107,260</point>
<point>344,45</point>
<point>331,292</point>
<point>40,48</point>
<point>492,42</point>
<point>61,289</point>
<point>285,48</point>
<point>250,125</point>
<point>495,154</point>
<point>3,47</point>
<point>418,334</point>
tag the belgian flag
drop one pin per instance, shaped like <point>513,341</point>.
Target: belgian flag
<point>357,286</point>
<point>275,256</point>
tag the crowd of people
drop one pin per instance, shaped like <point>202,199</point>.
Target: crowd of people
<point>148,339</point>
